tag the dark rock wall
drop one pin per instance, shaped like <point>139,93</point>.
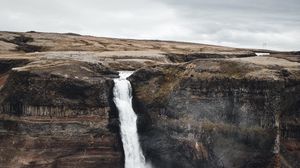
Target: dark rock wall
<point>31,94</point>
<point>208,114</point>
<point>290,126</point>
<point>59,114</point>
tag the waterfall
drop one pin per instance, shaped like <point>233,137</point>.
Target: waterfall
<point>134,157</point>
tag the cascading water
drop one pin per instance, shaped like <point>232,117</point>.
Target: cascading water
<point>134,157</point>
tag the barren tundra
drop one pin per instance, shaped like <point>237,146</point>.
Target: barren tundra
<point>198,105</point>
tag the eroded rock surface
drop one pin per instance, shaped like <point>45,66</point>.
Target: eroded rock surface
<point>220,113</point>
<point>58,113</point>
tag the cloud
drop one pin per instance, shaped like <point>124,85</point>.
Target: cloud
<point>238,23</point>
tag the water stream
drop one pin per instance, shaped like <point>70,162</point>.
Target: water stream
<point>134,157</point>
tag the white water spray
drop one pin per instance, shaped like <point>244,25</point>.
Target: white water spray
<point>134,157</point>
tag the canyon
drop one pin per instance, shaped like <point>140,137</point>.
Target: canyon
<point>197,105</point>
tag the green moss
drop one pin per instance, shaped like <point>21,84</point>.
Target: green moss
<point>159,88</point>
<point>233,69</point>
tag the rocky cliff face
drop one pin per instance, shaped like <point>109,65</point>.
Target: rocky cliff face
<point>58,113</point>
<point>198,105</point>
<point>220,113</point>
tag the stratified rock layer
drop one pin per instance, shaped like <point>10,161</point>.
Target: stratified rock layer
<point>58,113</point>
<point>220,113</point>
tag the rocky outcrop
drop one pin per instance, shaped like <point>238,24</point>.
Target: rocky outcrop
<point>212,54</point>
<point>58,113</point>
<point>220,113</point>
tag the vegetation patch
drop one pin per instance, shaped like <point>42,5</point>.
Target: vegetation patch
<point>161,86</point>
<point>22,44</point>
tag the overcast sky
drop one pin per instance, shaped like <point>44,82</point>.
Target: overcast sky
<point>272,24</point>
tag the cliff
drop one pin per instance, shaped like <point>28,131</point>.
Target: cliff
<point>220,113</point>
<point>58,113</point>
<point>198,105</point>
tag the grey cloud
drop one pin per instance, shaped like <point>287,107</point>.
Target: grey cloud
<point>243,23</point>
<point>238,23</point>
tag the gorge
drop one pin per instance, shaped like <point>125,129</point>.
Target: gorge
<point>62,102</point>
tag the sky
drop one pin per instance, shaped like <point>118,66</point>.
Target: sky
<point>267,24</point>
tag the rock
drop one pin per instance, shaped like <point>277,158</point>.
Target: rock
<point>7,64</point>
<point>58,113</point>
<point>202,55</point>
<point>219,112</point>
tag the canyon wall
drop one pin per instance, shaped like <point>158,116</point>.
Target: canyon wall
<point>58,113</point>
<point>219,113</point>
